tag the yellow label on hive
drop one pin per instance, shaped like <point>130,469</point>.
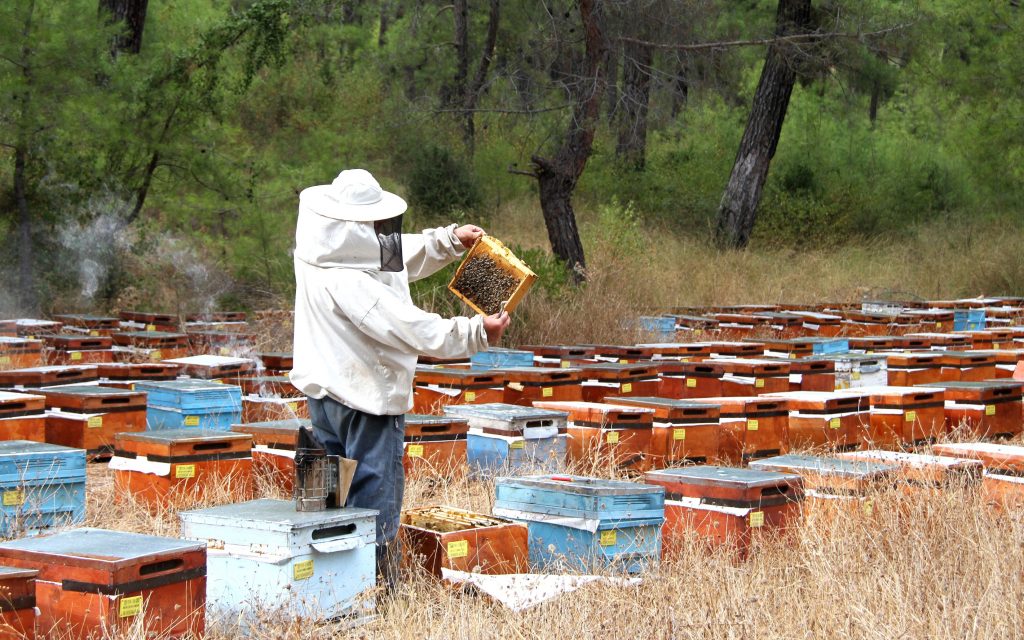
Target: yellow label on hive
<point>834,423</point>
<point>224,351</point>
<point>759,383</point>
<point>458,548</point>
<point>910,416</point>
<point>191,421</point>
<point>938,325</point>
<point>626,387</point>
<point>756,519</point>
<point>679,434</point>
<point>612,437</point>
<point>856,375</point>
<point>184,471</point>
<point>565,364</point>
<point>751,425</point>
<point>414,450</point>
<point>5,360</point>
<point>698,332</point>
<point>293,406</point>
<point>470,396</point>
<point>75,355</point>
<point>869,507</point>
<point>691,382</point>
<point>684,359</point>
<point>94,422</point>
<point>623,361</point>
<point>517,444</point>
<point>94,333</point>
<point>14,498</point>
<point>792,355</point>
<point>156,355</point>
<point>302,570</point>
<point>990,410</point>
<point>150,327</point>
<point>995,345</point>
<point>608,538</point>
<point>130,606</point>
<point>547,392</point>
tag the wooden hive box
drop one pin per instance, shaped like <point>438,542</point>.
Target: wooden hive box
<point>812,374</point>
<point>178,467</point>
<point>82,349</point>
<point>910,369</point>
<point>89,324</point>
<point>990,338</point>
<point>276,361</point>
<point>92,580</point>
<point>42,486</point>
<point>260,409</point>
<point>22,416</point>
<point>682,431</point>
<point>486,257</point>
<point>967,366</point>
<point>438,537</point>
<point>872,344</point>
<point>435,446</point>
<point>678,351</point>
<point>154,345</point>
<point>20,353</point>
<point>750,377</point>
<point>88,417</point>
<point>990,409</point>
<point>752,427</point>
<point>607,379</point>
<point>943,340</point>
<point>819,419</point>
<point>511,420</point>
<point>269,387</point>
<point>688,380</point>
<point>129,372</point>
<point>921,471</point>
<point>602,435</point>
<point>726,506</point>
<point>621,354</point>
<point>747,349</point>
<point>507,439</point>
<point>825,325</point>
<point>1002,459</point>
<point>213,367</point>
<point>17,603</point>
<point>436,388</point>
<point>273,449</point>
<point>902,416</point>
<point>524,385</point>
<point>563,356</point>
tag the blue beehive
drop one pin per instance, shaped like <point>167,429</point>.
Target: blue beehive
<point>829,346</point>
<point>490,454</point>
<point>968,319</point>
<point>501,358</point>
<point>186,404</point>
<point>663,326</point>
<point>41,485</point>
<point>586,522</point>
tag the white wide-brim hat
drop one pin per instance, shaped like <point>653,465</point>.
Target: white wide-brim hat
<point>354,195</point>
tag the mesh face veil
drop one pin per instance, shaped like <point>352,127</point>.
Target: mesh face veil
<point>389,235</point>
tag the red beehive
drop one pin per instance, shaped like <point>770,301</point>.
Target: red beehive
<point>260,409</point>
<point>692,327</point>
<point>22,417</point>
<point>276,363</point>
<point>209,367</point>
<point>822,325</point>
<point>786,325</point>
<point>607,434</point>
<point>1006,362</point>
<point>524,385</point>
<point>17,603</point>
<point>967,366</point>
<point>18,353</point>
<point>989,338</point>
<point>678,351</point>
<point>560,356</point>
<point>987,409</point>
<point>688,380</point>
<point>435,446</point>
<point>727,506</point>
<point>89,324</point>
<point>789,348</point>
<point>128,372</point>
<point>753,377</point>
<point>943,340</point>
<point>600,380</point>
<point>931,319</point>
<point>35,377</point>
<point>998,458</point>
<point>79,349</point>
<point>447,538</point>
<point>436,388</point>
<point>177,467</point>
<point>812,374</point>
<point>903,416</point>
<point>273,449</point>
<point>752,426</point>
<point>268,387</point>
<point>88,417</point>
<point>154,345</point>
<point>33,328</point>
<point>150,321</point>
<point>910,369</point>
<point>682,431</point>
<point>871,344</point>
<point>740,324</point>
<point>748,349</point>
<point>835,420</point>
<point>858,323</point>
<point>94,581</point>
<point>620,354</point>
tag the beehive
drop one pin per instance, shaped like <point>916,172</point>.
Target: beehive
<point>19,353</point>
<point>434,446</point>
<point>128,372</point>
<point>277,362</point>
<point>93,579</point>
<point>751,427</point>
<point>682,431</point>
<point>560,355</point>
<point>750,377</point>
<point>677,351</point>
<point>273,449</point>
<point>489,275</point>
<point>213,367</point>
<point>436,388</point>
<point>22,416</point>
<point>986,409</point>
<point>527,384</point>
<point>1002,459</point>
<point>959,366</point>
<point>607,379</point>
<point>17,603</point>
<point>154,345</point>
<point>177,404</point>
<point>903,416</point>
<point>607,435</point>
<point>437,537</point>
<point>922,471</point>
<point>693,380</point>
<point>41,485</point>
<point>506,438</point>
<point>87,417</point>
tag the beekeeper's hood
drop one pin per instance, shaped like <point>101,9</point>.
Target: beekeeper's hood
<point>351,223</point>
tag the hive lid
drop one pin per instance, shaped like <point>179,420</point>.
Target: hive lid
<point>502,411</point>
<point>653,401</point>
<point>8,573</point>
<point>182,436</point>
<point>581,485</point>
<point>89,390</point>
<point>190,384</point>
<point>209,361</point>
<point>710,475</point>
<point>16,448</point>
<point>273,515</point>
<point>100,546</point>
<point>823,466</point>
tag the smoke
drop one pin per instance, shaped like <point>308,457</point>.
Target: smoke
<point>93,243</point>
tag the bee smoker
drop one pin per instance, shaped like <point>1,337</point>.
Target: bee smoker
<point>317,475</point>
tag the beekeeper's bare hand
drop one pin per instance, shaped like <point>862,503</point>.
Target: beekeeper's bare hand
<point>495,326</point>
<point>468,234</point>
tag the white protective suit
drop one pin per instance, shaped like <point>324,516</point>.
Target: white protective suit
<point>357,331</point>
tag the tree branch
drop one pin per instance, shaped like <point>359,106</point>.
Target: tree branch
<point>798,37</point>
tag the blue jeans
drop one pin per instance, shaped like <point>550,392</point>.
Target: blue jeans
<point>376,443</point>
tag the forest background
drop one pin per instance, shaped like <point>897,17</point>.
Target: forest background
<point>152,152</point>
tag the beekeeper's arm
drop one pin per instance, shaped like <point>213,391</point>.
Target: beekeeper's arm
<point>428,252</point>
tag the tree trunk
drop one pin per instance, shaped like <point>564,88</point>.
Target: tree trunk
<point>385,19</point>
<point>557,176</point>
<point>611,98</point>
<point>876,95</point>
<point>460,13</point>
<point>26,278</point>
<point>680,92</point>
<point>472,96</point>
<point>130,13</point>
<point>738,209</point>
<point>636,97</point>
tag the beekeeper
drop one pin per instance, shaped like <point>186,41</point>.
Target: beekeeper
<point>358,333</point>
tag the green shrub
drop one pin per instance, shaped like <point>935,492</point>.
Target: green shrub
<point>440,183</point>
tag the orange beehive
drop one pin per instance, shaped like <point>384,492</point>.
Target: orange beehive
<point>837,421</point>
<point>35,377</point>
<point>745,377</point>
<point>268,387</point>
<point>620,354</point>
<point>931,319</point>
<point>747,349</point>
<point>1006,362</point>
<point>1004,491</point>
<point>154,345</point>
<point>22,416</point>
<point>259,409</point>
<point>17,603</point>
<point>986,409</point>
<point>920,471</point>
<point>560,356</point>
<point>221,343</point>
<point>130,372</point>
<point>902,416</point>
<point>752,426</point>
<point>150,321</point>
<point>998,458</point>
<point>213,367</point>
<point>909,369</point>
<point>822,325</point>
<point>273,449</point>
<point>435,446</point>
<point>989,338</point>
<point>783,324</point>
<point>607,379</point>
<point>436,388</point>
<point>740,325</point>
<point>967,366</point>
<point>524,385</point>
<point>178,467</point>
<point>872,344</point>
<point>88,324</point>
<point>678,351</point>
<point>92,582</point>
<point>955,341</point>
<point>682,431</point>
<point>607,434</point>
<point>439,538</point>
<point>88,417</point>
<point>278,362</point>
<point>789,348</point>
<point>74,350</point>
<point>726,506</point>
<point>19,353</point>
<point>693,380</point>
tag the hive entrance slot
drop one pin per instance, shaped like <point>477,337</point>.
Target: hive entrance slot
<point>210,446</point>
<point>334,532</point>
<point>159,567</point>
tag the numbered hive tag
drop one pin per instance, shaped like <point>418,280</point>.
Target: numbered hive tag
<point>191,421</point>
<point>623,361</point>
<point>751,425</point>
<point>156,355</point>
<point>911,416</point>
<point>302,570</point>
<point>990,410</point>
<point>756,519</point>
<point>626,387</point>
<point>995,345</point>
<point>759,383</point>
<point>547,392</point>
<point>150,327</point>
<point>938,325</point>
<point>470,396</point>
<point>608,538</point>
<point>679,434</point>
<point>5,360</point>
<point>94,422</point>
<point>517,444</point>
<point>868,507</point>
<point>612,437</point>
<point>75,355</point>
<point>94,333</point>
<point>691,382</point>
<point>224,351</point>
<point>182,471</point>
<point>565,364</point>
<point>834,423</point>
<point>130,606</point>
<point>856,375</point>
<point>293,406</point>
<point>458,548</point>
<point>14,498</point>
<point>414,450</point>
